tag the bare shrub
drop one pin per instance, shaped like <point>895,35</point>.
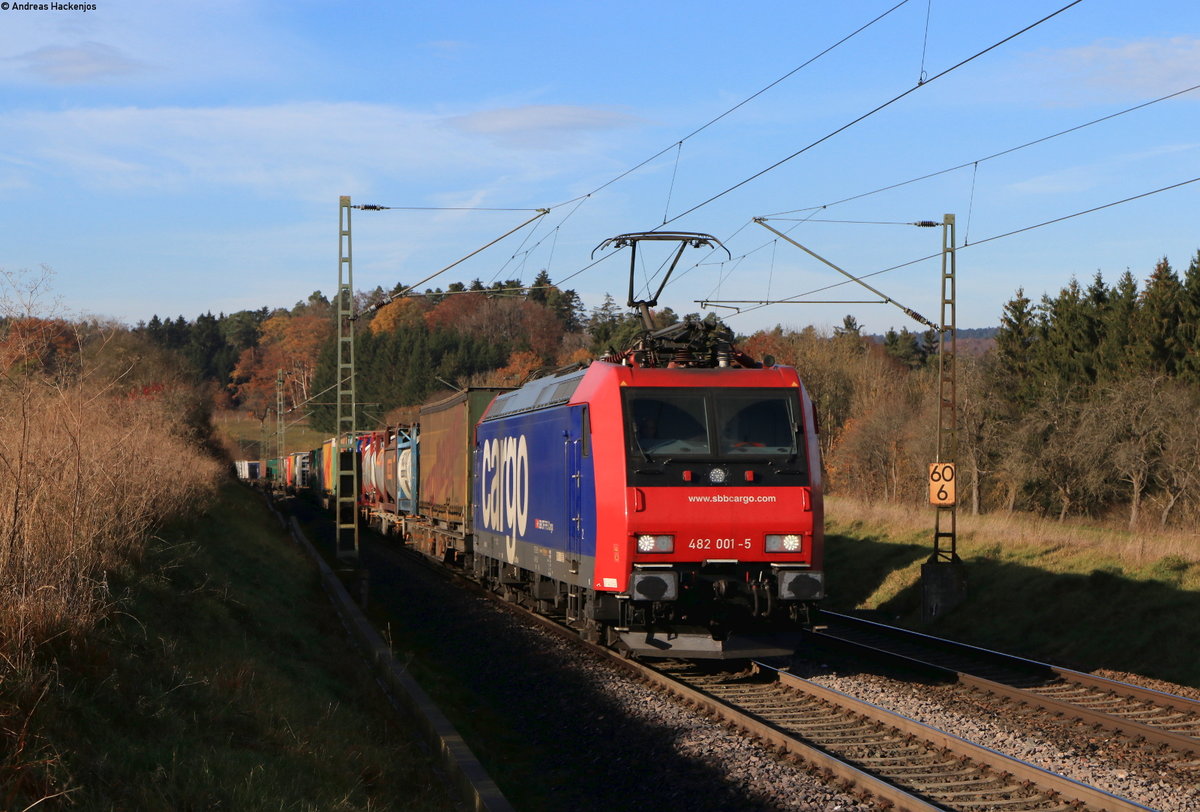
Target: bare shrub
<point>86,478</point>
<point>89,467</point>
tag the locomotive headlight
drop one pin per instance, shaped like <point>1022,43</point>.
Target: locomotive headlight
<point>647,543</point>
<point>717,476</point>
<point>784,543</point>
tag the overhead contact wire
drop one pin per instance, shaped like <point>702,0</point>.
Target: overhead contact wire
<point>740,104</point>
<point>1000,154</point>
<point>925,42</point>
<point>794,298</point>
<point>674,173</point>
<point>875,110</point>
<point>678,145</point>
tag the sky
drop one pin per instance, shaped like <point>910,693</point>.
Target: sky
<point>177,158</point>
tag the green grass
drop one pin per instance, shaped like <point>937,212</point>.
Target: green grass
<point>244,436</point>
<point>1083,601</point>
<point>223,680</point>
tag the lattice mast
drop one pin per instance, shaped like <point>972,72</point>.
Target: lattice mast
<point>345,473</point>
<point>945,540</point>
<point>280,429</point>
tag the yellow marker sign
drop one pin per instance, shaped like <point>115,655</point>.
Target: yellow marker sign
<point>941,484</point>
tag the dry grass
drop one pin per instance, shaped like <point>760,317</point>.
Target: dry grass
<point>1131,549</point>
<point>1081,595</point>
<point>86,474</point>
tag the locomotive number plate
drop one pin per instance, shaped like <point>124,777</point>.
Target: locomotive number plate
<point>719,544</point>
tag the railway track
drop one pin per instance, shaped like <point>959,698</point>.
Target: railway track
<point>899,761</point>
<point>870,751</point>
<point>1141,713</point>
<point>874,752</point>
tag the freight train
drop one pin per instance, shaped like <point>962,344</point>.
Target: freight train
<point>668,506</point>
<point>665,500</point>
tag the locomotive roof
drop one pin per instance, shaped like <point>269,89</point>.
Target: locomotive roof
<point>542,393</point>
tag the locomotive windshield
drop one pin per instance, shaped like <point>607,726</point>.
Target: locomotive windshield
<point>711,422</point>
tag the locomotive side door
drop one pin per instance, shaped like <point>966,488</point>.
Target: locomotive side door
<point>575,450</point>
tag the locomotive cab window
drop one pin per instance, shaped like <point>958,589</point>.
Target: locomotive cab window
<point>663,422</point>
<point>755,423</point>
<point>731,424</point>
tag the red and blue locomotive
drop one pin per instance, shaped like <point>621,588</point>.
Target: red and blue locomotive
<point>670,510</point>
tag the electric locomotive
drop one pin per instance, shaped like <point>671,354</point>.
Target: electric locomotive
<point>669,506</point>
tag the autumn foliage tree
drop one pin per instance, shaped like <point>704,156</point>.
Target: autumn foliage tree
<point>291,343</point>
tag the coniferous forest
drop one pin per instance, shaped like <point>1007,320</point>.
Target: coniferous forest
<point>1081,404</point>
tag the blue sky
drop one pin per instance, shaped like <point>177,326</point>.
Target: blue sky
<point>177,158</point>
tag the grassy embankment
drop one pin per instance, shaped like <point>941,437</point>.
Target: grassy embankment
<point>222,682</point>
<point>247,438</point>
<point>1070,593</point>
<point>162,643</point>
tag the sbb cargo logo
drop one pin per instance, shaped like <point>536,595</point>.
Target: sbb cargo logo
<point>505,488</point>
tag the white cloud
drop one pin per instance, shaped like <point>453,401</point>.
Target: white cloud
<point>542,126</point>
<point>80,64</point>
<point>298,150</point>
<point>1115,168</point>
<point>152,42</point>
<point>1128,69</point>
<point>1065,181</point>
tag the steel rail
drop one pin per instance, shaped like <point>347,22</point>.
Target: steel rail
<point>1072,791</point>
<point>1073,694</point>
<point>858,780</point>
<point>1046,792</point>
<point>919,753</point>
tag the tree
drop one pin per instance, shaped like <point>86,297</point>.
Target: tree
<point>317,304</point>
<point>210,355</point>
<point>521,365</point>
<point>1114,353</point>
<point>1189,322</point>
<point>568,307</point>
<point>1159,348</point>
<point>540,290</point>
<point>291,343</point>
<point>1178,472</point>
<point>603,323</point>
<point>850,327</point>
<point>456,312</point>
<point>403,312</point>
<point>979,428</point>
<point>1123,432</point>
<point>1064,353</point>
<point>1012,374</point>
<point>242,329</point>
<point>906,347</point>
<point>1063,453</point>
<point>175,333</point>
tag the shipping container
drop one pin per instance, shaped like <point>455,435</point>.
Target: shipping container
<point>447,450</point>
<point>407,452</point>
